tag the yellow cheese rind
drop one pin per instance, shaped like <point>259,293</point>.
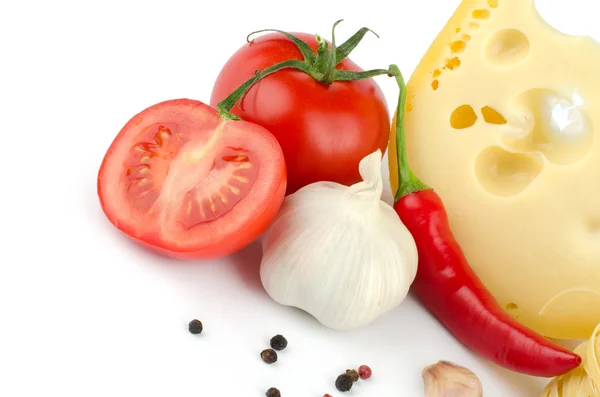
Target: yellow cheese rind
<point>521,183</point>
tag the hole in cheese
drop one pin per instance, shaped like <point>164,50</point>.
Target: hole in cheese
<point>481,14</point>
<point>493,3</point>
<point>466,37</point>
<point>463,117</point>
<point>492,116</point>
<point>453,63</point>
<point>512,306</point>
<point>507,47</point>
<point>435,84</point>
<point>437,73</point>
<point>458,46</point>
<point>505,174</point>
<point>559,128</point>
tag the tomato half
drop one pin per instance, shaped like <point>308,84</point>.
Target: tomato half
<point>180,179</point>
<point>324,130</point>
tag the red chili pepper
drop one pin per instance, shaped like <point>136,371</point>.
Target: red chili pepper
<point>450,289</point>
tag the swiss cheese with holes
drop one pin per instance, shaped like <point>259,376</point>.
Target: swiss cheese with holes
<point>501,120</point>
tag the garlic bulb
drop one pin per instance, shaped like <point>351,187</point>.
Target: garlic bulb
<point>446,379</point>
<point>339,252</point>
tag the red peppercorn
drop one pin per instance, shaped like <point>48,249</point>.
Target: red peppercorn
<point>364,372</point>
<point>327,395</point>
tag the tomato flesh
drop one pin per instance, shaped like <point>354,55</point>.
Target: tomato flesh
<point>229,180</point>
<point>180,179</point>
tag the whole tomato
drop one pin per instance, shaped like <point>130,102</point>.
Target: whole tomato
<point>324,129</point>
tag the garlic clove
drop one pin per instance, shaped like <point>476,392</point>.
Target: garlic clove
<point>446,379</point>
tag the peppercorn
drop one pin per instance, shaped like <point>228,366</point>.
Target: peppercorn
<point>353,374</point>
<point>343,382</point>
<point>327,395</point>
<point>278,342</point>
<point>195,327</point>
<point>269,356</point>
<point>273,392</point>
<point>364,372</point>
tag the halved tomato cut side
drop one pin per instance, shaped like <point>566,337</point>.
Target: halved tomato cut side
<point>186,182</point>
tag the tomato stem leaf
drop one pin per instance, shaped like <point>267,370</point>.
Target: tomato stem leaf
<point>407,181</point>
<point>346,48</point>
<point>224,107</point>
<point>307,52</point>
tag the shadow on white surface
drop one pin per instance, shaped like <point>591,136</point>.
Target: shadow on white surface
<point>228,293</point>
<point>247,264</point>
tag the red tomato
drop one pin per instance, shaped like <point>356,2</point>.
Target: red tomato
<point>180,179</point>
<point>324,130</point>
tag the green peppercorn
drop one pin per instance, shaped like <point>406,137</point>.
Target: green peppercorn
<point>273,392</point>
<point>269,356</point>
<point>353,374</point>
<point>343,382</point>
<point>278,342</point>
<point>195,327</point>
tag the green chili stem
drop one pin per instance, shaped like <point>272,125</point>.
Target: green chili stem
<point>407,181</point>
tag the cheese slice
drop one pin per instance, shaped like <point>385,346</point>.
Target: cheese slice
<point>501,120</point>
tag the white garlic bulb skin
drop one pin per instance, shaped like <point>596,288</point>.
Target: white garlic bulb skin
<point>339,253</point>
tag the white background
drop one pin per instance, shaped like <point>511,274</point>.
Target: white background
<point>84,312</point>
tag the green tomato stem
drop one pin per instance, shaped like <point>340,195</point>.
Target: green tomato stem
<point>331,58</point>
<point>307,53</point>
<point>349,45</point>
<point>224,107</point>
<point>320,66</point>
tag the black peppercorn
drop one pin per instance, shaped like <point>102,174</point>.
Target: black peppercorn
<point>353,374</point>
<point>269,356</point>
<point>343,382</point>
<point>195,327</point>
<point>278,342</point>
<point>273,392</point>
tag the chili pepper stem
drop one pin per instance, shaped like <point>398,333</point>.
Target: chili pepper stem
<point>320,66</point>
<point>407,181</point>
